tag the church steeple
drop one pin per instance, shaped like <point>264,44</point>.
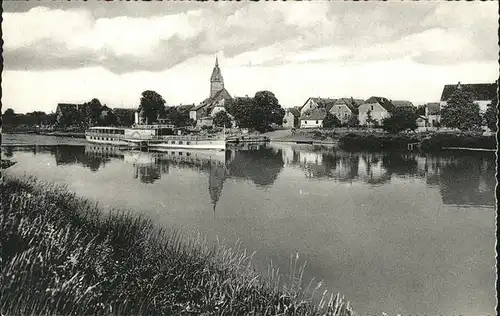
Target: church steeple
<point>216,80</point>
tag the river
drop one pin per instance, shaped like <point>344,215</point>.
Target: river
<point>397,233</point>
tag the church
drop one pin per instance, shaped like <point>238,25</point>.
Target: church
<point>218,98</point>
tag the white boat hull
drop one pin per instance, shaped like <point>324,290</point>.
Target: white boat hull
<point>200,144</point>
<point>110,141</point>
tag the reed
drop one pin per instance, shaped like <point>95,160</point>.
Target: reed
<point>62,256</point>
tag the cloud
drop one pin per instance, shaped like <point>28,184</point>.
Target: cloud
<point>164,35</point>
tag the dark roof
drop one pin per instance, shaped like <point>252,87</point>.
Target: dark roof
<point>124,110</point>
<point>401,103</point>
<point>325,103</point>
<point>219,95</point>
<point>186,107</point>
<point>384,102</point>
<point>433,108</point>
<point>64,106</point>
<point>315,114</point>
<point>481,91</point>
<point>351,103</point>
<point>294,111</point>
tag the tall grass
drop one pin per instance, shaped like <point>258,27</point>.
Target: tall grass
<point>61,256</point>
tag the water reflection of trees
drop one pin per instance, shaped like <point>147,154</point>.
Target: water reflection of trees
<point>468,180</point>
<point>262,166</point>
<point>463,179</point>
<point>66,154</point>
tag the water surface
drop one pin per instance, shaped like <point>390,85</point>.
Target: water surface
<point>394,232</point>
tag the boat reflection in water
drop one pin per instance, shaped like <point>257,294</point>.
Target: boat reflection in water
<point>149,166</point>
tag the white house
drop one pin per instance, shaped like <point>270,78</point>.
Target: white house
<point>314,103</point>
<point>291,118</point>
<point>313,118</point>
<point>433,114</point>
<point>483,93</point>
<point>376,108</point>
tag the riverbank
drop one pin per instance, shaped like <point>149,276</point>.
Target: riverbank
<point>360,140</point>
<point>62,256</point>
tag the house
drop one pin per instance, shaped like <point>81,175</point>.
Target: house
<point>345,108</point>
<point>433,114</point>
<point>422,122</point>
<point>219,97</point>
<point>374,110</point>
<point>483,93</point>
<point>186,108</point>
<point>313,118</point>
<point>313,103</point>
<point>291,118</point>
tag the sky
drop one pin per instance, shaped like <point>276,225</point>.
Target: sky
<point>59,51</point>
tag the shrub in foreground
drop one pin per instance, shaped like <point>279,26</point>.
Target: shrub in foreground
<point>62,256</point>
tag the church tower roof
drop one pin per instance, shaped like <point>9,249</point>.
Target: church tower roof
<point>216,80</point>
<point>216,73</point>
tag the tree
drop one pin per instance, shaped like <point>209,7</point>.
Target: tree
<point>176,117</point>
<point>491,115</point>
<point>9,117</point>
<point>369,119</point>
<point>353,121</point>
<point>401,119</point>
<point>258,112</point>
<point>152,105</point>
<point>222,119</point>
<point>421,110</point>
<point>331,121</point>
<point>461,112</point>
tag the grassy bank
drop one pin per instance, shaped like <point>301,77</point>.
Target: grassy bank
<point>360,140</point>
<point>377,141</point>
<point>465,140</point>
<point>62,256</point>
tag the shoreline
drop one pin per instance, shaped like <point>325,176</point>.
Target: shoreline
<point>64,257</point>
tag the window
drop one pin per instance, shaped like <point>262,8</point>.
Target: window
<point>316,122</point>
<point>180,142</point>
<point>188,143</point>
<point>172,142</point>
<point>305,122</point>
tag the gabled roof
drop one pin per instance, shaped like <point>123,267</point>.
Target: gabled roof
<point>402,103</point>
<point>294,111</point>
<point>384,102</point>
<point>351,103</point>
<point>325,103</point>
<point>185,107</point>
<point>315,114</point>
<point>219,95</point>
<point>433,108</point>
<point>481,91</point>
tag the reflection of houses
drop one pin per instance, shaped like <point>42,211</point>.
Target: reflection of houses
<point>218,99</point>
<point>482,93</point>
<point>376,108</point>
